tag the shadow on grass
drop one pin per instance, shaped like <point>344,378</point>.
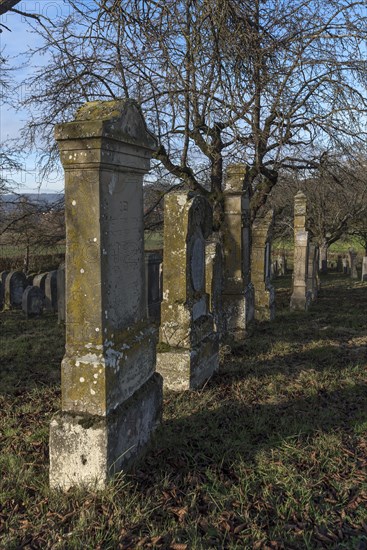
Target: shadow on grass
<point>236,430</point>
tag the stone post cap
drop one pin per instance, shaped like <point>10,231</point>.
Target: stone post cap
<point>235,175</point>
<point>120,120</point>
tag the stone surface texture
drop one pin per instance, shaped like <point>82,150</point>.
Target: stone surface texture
<point>188,344</point>
<point>109,365</point>
<point>214,280</point>
<point>301,297</point>
<point>238,292</point>
<point>32,301</point>
<point>261,267</point>
<point>15,284</point>
<point>353,263</point>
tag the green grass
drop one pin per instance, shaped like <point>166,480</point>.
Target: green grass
<point>271,454</point>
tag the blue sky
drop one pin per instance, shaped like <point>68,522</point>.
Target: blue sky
<point>12,45</point>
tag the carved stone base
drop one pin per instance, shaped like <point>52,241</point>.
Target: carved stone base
<point>188,370</point>
<point>86,450</point>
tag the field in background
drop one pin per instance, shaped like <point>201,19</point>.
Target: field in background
<point>271,454</point>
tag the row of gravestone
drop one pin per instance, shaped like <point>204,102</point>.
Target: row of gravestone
<point>33,293</point>
<point>113,371</point>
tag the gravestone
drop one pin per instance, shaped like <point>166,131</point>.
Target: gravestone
<point>282,264</point>
<point>274,268</point>
<point>339,264</point>
<point>153,266</point>
<point>40,281</point>
<point>32,301</point>
<point>345,266</point>
<point>364,268</point>
<point>188,346</point>
<point>60,280</point>
<point>238,291</point>
<point>301,297</point>
<point>261,267</point>
<point>214,280</point>
<point>51,291</point>
<point>111,394</point>
<point>353,263</point>
<point>323,258</point>
<point>15,284</point>
<point>3,276</point>
<point>312,269</point>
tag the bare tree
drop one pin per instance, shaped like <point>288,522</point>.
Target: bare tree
<point>262,82</point>
<point>337,199</point>
<point>31,225</point>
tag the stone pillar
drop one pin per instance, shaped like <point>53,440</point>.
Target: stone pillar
<point>51,291</point>
<point>260,268</point>
<point>3,276</point>
<point>301,298</point>
<point>312,269</point>
<point>153,262</point>
<point>339,264</point>
<point>238,292</point>
<point>353,263</point>
<point>282,264</point>
<point>345,266</point>
<point>111,394</point>
<point>188,346</point>
<point>214,281</point>
<point>323,258</point>
<point>364,269</point>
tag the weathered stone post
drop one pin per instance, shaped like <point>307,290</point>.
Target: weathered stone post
<point>111,395</point>
<point>300,299</point>
<point>345,265</point>
<point>353,263</point>
<point>261,268</point>
<point>282,264</point>
<point>364,269</point>
<point>238,291</point>
<point>339,264</point>
<point>153,263</point>
<point>214,280</point>
<point>323,257</point>
<point>312,269</point>
<point>188,346</point>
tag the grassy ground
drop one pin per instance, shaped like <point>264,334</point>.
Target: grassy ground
<point>271,454</point>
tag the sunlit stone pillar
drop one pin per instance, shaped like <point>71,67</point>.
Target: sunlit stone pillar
<point>111,394</point>
<point>301,297</point>
<point>260,267</point>
<point>238,292</point>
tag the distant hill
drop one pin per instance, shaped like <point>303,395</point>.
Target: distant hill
<point>10,199</point>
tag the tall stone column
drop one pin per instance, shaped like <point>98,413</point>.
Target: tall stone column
<point>214,280</point>
<point>238,292</point>
<point>188,346</point>
<point>364,269</point>
<point>323,257</point>
<point>353,263</point>
<point>312,269</point>
<point>301,297</point>
<point>261,267</point>
<point>111,394</point>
